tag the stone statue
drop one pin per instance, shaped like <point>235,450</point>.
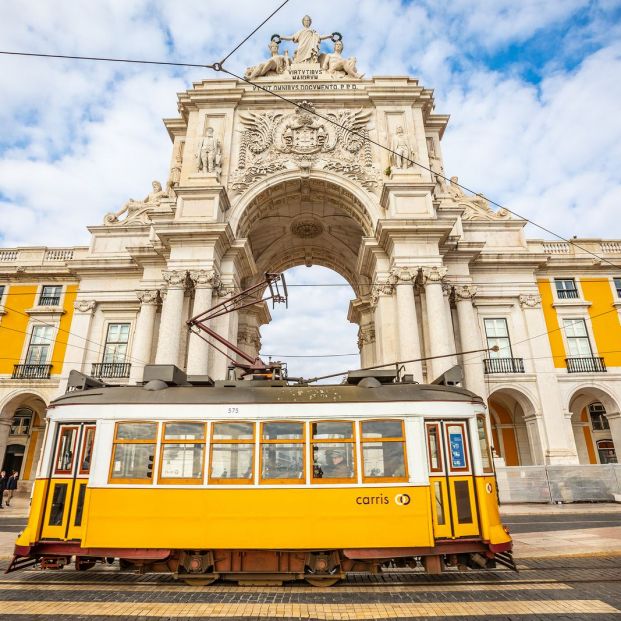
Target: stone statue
<point>132,206</point>
<point>476,207</point>
<point>209,153</point>
<point>335,64</point>
<point>278,64</point>
<point>403,154</point>
<point>437,173</point>
<point>454,189</point>
<point>175,170</point>
<point>308,41</point>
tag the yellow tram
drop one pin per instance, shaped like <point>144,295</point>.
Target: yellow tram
<point>248,480</point>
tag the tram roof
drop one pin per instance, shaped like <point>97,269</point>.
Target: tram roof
<point>266,394</point>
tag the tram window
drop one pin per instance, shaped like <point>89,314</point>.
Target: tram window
<point>439,494</point>
<point>333,460</point>
<point>383,451</point>
<point>464,507</point>
<point>458,457</point>
<point>484,444</point>
<point>80,506</point>
<point>183,447</point>
<point>282,452</point>
<point>87,450</point>
<point>232,453</point>
<point>133,453</point>
<point>58,504</point>
<point>433,443</point>
<point>66,450</point>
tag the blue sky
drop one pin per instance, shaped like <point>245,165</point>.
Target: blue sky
<point>533,89</point>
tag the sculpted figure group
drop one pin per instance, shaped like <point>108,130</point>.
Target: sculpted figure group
<point>307,52</point>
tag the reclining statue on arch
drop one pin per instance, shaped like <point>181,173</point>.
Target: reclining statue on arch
<point>277,64</point>
<point>132,207</point>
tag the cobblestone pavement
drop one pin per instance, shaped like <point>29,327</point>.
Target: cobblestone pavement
<point>577,589</point>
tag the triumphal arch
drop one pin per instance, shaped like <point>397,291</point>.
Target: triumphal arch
<point>341,170</point>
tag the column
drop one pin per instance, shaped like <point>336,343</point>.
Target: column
<point>226,326</point>
<point>143,336</point>
<point>409,341</point>
<point>366,344</point>
<point>557,449</point>
<point>78,343</point>
<point>5,428</point>
<point>472,364</point>
<point>205,281</point>
<point>171,322</point>
<point>437,321</point>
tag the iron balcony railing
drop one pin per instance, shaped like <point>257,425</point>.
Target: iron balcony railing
<point>585,365</point>
<point>567,294</point>
<point>111,369</point>
<point>32,371</point>
<point>504,365</point>
<point>49,300</point>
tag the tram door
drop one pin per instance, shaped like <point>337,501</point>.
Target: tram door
<point>70,469</point>
<point>451,479</point>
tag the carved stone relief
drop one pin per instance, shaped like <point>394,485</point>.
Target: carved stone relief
<point>85,306</point>
<point>148,296</point>
<point>273,141</point>
<point>530,301</point>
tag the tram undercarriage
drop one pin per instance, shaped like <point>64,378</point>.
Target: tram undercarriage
<point>317,567</point>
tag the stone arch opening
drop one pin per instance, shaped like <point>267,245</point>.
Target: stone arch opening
<point>594,414</point>
<point>21,441</point>
<point>514,426</point>
<point>299,221</point>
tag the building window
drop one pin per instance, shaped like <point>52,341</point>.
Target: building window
<point>117,338</point>
<point>20,425</point>
<point>606,452</point>
<point>566,288</point>
<point>578,342</point>
<point>40,341</point>
<point>1,293</point>
<point>497,333</point>
<point>597,414</point>
<point>383,451</point>
<point>50,295</point>
<point>616,280</point>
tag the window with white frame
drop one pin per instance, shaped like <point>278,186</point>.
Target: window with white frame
<point>497,333</point>
<point>117,338</point>
<point>616,280</point>
<point>50,295</point>
<point>566,288</point>
<point>40,342</point>
<point>578,343</point>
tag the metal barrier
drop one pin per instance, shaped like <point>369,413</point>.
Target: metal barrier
<point>552,484</point>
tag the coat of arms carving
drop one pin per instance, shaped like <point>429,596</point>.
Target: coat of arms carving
<point>335,141</point>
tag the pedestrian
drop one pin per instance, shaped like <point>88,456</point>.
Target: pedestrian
<point>11,487</point>
<point>3,482</point>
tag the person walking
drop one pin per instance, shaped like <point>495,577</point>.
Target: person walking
<point>11,487</point>
<point>3,482</point>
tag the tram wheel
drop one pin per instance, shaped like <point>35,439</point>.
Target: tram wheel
<point>200,580</point>
<point>321,581</point>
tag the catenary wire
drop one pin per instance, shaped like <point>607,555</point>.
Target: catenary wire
<point>255,30</point>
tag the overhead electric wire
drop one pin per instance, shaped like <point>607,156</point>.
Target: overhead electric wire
<point>255,30</point>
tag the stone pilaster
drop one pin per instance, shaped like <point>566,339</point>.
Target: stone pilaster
<point>171,322</point>
<point>205,281</point>
<point>5,428</point>
<point>384,316</point>
<point>143,334</point>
